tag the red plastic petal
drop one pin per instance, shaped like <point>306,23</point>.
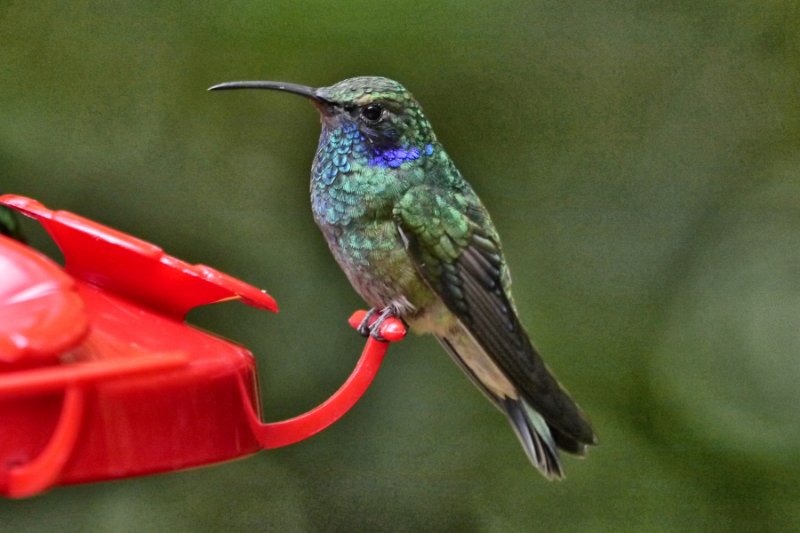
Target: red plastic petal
<point>135,269</point>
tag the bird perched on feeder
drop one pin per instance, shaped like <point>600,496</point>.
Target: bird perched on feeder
<point>416,242</point>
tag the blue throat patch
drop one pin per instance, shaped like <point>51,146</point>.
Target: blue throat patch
<point>337,146</point>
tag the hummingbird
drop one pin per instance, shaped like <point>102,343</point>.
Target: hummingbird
<point>417,243</point>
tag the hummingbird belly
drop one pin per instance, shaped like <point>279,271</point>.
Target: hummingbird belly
<point>380,269</point>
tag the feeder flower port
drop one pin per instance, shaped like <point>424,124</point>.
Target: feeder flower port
<point>100,376</point>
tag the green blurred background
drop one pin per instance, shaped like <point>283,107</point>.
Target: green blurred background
<point>641,163</point>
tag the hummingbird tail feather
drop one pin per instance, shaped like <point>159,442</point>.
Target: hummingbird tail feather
<point>567,443</point>
<point>535,436</point>
<point>537,439</point>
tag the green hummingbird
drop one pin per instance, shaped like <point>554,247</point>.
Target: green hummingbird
<point>416,243</point>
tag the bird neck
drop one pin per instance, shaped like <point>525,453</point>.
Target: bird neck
<point>343,148</point>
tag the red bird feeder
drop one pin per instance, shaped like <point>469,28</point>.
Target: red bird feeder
<point>101,378</point>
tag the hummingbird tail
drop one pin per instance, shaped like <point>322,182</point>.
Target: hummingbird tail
<point>535,436</point>
<point>538,440</point>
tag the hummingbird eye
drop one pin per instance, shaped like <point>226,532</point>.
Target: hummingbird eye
<point>372,112</point>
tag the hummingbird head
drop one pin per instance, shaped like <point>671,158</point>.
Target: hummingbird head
<point>385,114</point>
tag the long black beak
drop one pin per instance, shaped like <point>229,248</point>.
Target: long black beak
<point>302,90</point>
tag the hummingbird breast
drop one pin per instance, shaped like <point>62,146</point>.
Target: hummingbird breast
<point>354,189</point>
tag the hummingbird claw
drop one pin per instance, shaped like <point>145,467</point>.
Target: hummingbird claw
<point>371,325</point>
<point>364,328</point>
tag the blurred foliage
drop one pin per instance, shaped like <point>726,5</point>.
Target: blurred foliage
<point>641,162</point>
<point>9,224</point>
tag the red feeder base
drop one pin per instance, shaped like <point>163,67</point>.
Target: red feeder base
<point>100,377</point>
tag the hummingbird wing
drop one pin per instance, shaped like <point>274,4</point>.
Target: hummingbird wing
<point>455,248</point>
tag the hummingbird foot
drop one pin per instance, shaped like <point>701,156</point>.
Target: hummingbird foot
<point>371,325</point>
<point>365,326</point>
